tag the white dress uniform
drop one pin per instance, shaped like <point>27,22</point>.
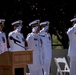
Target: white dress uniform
<point>14,45</point>
<point>72,49</point>
<point>3,42</point>
<point>34,43</point>
<point>17,43</point>
<point>47,52</point>
<point>47,49</point>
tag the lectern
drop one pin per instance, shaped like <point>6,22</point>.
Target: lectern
<point>9,61</point>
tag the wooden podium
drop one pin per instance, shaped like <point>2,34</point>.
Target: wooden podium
<point>9,61</point>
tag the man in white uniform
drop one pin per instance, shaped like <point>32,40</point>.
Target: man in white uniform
<point>16,41</point>
<point>16,38</point>
<point>46,47</point>
<point>72,47</point>
<point>3,41</point>
<point>34,43</point>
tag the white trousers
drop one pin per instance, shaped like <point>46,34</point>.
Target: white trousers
<point>72,65</point>
<point>35,70</point>
<point>46,67</point>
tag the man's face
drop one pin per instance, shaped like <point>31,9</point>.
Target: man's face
<point>43,26</point>
<point>38,29</point>
<point>74,22</point>
<point>14,27</point>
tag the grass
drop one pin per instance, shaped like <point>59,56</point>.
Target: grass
<point>56,43</point>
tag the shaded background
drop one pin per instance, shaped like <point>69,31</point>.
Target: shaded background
<point>58,12</point>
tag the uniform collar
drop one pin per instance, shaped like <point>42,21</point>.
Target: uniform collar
<point>0,31</point>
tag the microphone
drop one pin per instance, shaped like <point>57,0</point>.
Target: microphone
<point>14,39</point>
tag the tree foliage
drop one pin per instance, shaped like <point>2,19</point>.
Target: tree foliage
<point>58,12</point>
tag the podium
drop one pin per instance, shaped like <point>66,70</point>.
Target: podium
<point>9,61</point>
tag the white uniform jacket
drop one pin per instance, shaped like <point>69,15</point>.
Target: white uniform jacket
<point>46,46</point>
<point>33,41</point>
<point>72,41</point>
<point>3,42</point>
<point>14,45</point>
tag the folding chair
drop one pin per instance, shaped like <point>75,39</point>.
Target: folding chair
<point>65,69</point>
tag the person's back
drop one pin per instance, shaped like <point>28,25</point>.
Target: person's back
<point>72,47</point>
<point>72,37</point>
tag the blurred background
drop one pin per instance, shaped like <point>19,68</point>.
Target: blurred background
<point>58,12</point>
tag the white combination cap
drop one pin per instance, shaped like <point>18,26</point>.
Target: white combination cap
<point>35,23</point>
<point>74,19</point>
<point>44,23</point>
<point>2,22</point>
<point>17,22</point>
